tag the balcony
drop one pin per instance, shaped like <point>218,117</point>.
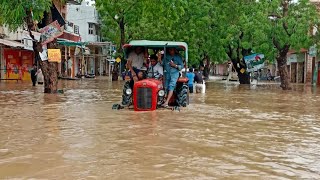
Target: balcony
<point>75,2</point>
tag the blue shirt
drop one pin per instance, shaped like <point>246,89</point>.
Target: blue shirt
<point>176,60</point>
<point>190,77</point>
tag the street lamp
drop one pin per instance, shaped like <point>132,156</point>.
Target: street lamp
<point>273,18</point>
<point>116,17</point>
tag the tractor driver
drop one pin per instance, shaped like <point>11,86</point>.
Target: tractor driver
<point>155,70</point>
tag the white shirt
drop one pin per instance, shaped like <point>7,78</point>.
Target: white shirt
<point>39,75</point>
<point>137,59</point>
<point>157,71</point>
<point>69,63</point>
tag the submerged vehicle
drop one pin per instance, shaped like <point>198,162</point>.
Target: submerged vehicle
<point>148,94</point>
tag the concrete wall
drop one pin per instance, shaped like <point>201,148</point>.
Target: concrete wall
<point>221,69</point>
<point>82,15</point>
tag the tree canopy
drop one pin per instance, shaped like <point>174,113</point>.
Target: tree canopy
<point>15,12</point>
<point>217,29</point>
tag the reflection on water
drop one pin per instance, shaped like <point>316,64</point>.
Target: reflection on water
<point>235,132</point>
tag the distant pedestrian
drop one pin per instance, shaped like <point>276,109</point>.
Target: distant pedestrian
<point>69,66</point>
<point>190,75</point>
<point>39,76</point>
<point>198,78</point>
<point>206,72</point>
<point>269,75</point>
<point>33,75</point>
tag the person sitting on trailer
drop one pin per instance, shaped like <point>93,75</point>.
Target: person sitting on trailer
<point>172,64</point>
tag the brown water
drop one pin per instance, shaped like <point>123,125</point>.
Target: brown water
<point>231,132</point>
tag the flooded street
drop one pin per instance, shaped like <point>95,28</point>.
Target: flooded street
<point>231,132</point>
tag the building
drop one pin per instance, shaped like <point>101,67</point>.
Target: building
<point>296,66</point>
<point>16,48</point>
<point>16,54</point>
<point>84,20</point>
<point>314,65</point>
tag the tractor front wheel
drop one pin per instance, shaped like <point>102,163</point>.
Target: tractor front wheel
<point>126,98</point>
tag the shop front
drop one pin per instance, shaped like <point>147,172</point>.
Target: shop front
<point>296,67</point>
<point>16,64</point>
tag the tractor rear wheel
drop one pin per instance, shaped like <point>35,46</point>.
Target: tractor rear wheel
<point>182,96</point>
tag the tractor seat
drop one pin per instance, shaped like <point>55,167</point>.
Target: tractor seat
<point>183,80</point>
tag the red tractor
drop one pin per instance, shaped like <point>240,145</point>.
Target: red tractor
<point>149,94</point>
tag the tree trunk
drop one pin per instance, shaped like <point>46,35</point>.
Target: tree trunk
<point>117,66</point>
<point>206,69</point>
<point>49,69</point>
<point>284,76</point>
<point>244,78</point>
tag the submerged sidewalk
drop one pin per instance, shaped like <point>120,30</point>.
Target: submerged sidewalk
<point>223,79</point>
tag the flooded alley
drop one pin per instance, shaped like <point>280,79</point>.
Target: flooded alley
<point>231,132</point>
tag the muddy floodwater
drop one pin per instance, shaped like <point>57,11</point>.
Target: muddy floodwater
<point>231,132</point>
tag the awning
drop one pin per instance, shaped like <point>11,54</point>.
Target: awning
<point>69,43</point>
<point>11,43</point>
<point>99,43</point>
<point>70,36</point>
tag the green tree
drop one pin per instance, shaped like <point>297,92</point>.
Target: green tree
<point>219,30</point>
<point>290,23</point>
<point>117,15</point>
<point>25,14</point>
<point>153,20</point>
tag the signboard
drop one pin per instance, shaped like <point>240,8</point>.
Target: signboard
<point>118,60</point>
<point>54,55</point>
<point>44,53</point>
<point>313,51</point>
<point>27,40</point>
<point>50,32</point>
<point>254,62</point>
<point>292,58</point>
<point>26,35</point>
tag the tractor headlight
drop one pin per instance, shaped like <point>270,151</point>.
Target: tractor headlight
<point>128,91</point>
<point>161,93</point>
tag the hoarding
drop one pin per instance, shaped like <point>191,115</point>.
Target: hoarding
<point>50,32</point>
<point>254,62</point>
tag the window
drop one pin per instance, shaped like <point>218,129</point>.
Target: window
<point>76,29</point>
<point>91,28</point>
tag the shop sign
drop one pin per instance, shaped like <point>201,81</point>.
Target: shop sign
<point>50,32</point>
<point>54,55</point>
<point>254,62</point>
<point>292,58</point>
<point>313,51</point>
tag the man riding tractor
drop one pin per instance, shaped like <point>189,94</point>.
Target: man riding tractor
<point>149,93</point>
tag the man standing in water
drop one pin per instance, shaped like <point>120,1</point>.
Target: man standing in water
<point>33,75</point>
<point>198,78</point>
<point>190,75</point>
<point>69,66</point>
<point>172,65</point>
